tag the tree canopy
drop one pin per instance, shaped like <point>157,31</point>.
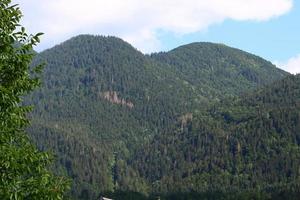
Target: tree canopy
<point>24,172</point>
<point>106,145</point>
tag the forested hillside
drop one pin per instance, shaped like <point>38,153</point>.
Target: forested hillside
<point>119,120</point>
<point>245,147</point>
<point>215,68</point>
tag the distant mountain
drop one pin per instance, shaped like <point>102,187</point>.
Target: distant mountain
<point>102,101</point>
<point>215,69</point>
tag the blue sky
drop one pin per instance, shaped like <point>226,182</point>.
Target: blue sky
<point>268,28</point>
<point>277,39</point>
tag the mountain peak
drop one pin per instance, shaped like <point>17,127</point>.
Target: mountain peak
<point>87,42</point>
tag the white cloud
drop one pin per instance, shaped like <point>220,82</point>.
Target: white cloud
<point>292,65</point>
<point>138,21</point>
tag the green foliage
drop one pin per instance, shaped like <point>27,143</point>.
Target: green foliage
<point>248,144</point>
<point>217,71</point>
<point>24,170</point>
<point>152,146</point>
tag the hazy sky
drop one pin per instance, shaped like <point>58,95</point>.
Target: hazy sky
<point>268,28</point>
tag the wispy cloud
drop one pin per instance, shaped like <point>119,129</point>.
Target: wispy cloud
<point>292,65</point>
<point>139,21</point>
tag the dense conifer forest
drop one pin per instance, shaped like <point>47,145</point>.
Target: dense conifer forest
<point>201,121</point>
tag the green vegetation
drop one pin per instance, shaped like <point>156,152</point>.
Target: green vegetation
<point>203,121</point>
<point>247,144</point>
<point>127,124</point>
<point>217,71</point>
<point>24,172</point>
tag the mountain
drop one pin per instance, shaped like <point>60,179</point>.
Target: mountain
<point>215,68</point>
<point>102,102</point>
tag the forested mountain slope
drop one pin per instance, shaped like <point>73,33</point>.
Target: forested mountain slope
<point>102,101</point>
<point>248,145</point>
<point>215,68</point>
